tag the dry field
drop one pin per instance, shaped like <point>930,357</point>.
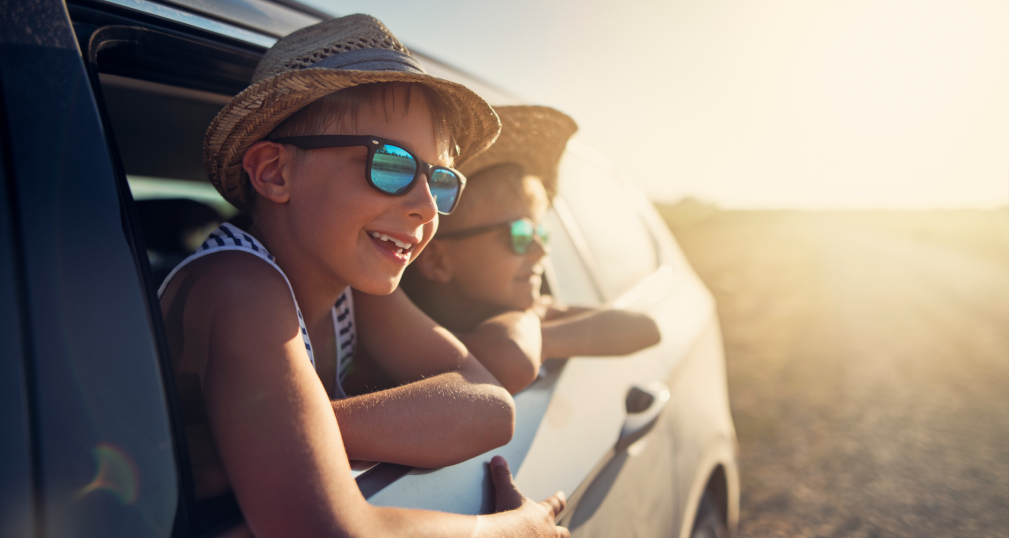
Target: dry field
<point>868,364</point>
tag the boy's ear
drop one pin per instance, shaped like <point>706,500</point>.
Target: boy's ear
<point>268,166</point>
<point>434,264</point>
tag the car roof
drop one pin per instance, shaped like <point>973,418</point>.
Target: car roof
<point>262,22</point>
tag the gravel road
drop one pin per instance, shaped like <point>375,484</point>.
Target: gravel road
<point>868,362</point>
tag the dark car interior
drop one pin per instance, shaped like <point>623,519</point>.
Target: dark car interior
<point>160,91</point>
<point>159,133</point>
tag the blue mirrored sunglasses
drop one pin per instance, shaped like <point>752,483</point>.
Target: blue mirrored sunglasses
<point>392,169</point>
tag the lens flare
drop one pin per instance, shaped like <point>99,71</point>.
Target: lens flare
<point>116,474</point>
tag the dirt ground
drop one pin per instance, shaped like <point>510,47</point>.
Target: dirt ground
<point>868,365</point>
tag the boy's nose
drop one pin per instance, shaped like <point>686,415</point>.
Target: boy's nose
<point>538,249</point>
<point>420,202</point>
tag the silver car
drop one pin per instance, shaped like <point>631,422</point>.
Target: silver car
<point>105,103</point>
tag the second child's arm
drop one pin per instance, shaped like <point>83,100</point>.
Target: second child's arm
<point>448,408</point>
<point>588,332</point>
<point>509,345</point>
<point>435,422</point>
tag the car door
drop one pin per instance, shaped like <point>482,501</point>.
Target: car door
<point>639,266</point>
<point>16,499</point>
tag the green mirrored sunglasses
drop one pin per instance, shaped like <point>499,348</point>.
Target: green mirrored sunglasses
<point>523,233</point>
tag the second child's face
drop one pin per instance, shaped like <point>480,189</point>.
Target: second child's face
<point>486,269</point>
<point>340,219</point>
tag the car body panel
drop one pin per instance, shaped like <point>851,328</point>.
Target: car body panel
<point>17,507</point>
<point>95,389</point>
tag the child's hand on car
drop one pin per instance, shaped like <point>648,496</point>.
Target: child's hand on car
<point>540,516</point>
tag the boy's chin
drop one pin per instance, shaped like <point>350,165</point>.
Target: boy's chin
<point>525,302</point>
<point>377,286</point>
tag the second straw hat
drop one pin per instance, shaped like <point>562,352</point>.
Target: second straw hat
<point>316,61</point>
<point>534,137</point>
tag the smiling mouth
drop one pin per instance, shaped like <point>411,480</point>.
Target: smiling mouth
<point>395,245</point>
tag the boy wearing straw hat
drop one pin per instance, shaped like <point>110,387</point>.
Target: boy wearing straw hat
<point>485,266</point>
<point>341,151</point>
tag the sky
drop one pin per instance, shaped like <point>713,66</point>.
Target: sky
<point>752,104</point>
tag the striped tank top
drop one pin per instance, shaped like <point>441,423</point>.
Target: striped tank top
<point>229,237</point>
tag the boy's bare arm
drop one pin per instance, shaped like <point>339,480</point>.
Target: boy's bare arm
<point>548,310</point>
<point>509,346</point>
<point>449,408</point>
<point>598,333</point>
<point>434,422</point>
<point>278,438</point>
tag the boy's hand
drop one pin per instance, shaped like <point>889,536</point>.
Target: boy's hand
<point>447,406</point>
<point>540,515</point>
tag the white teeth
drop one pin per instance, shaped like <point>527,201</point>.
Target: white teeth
<point>380,236</point>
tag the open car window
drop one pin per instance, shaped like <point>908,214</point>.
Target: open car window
<point>157,128</point>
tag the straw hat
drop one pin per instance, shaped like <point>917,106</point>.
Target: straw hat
<point>533,137</point>
<point>318,60</point>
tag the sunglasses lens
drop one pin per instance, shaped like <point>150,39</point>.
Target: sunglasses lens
<point>393,169</point>
<point>522,236</point>
<point>444,188</point>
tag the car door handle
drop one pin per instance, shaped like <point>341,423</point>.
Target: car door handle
<point>644,405</point>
